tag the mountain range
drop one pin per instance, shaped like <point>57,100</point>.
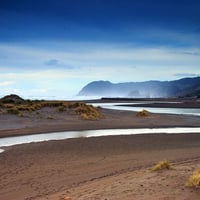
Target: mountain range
<point>189,87</point>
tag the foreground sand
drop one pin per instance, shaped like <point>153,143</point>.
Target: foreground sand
<point>111,167</point>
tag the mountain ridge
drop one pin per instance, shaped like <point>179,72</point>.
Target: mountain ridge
<point>147,89</point>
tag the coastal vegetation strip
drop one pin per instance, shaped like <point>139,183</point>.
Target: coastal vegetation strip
<point>14,104</point>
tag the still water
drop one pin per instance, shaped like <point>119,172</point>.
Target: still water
<point>9,141</point>
<point>181,111</point>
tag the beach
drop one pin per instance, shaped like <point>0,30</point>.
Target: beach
<point>95,168</point>
<point>107,167</point>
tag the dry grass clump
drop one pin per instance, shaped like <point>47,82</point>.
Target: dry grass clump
<point>143,113</point>
<point>28,107</point>
<point>31,106</point>
<point>24,107</point>
<point>20,115</point>
<point>72,105</point>
<point>164,164</point>
<point>194,180</point>
<point>6,105</point>
<point>88,112</point>
<point>51,103</point>
<point>13,110</point>
<point>50,117</point>
<point>62,108</point>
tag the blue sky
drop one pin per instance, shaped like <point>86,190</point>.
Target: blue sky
<point>55,47</point>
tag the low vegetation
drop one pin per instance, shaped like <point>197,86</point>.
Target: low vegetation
<point>14,104</point>
<point>164,164</point>
<point>143,113</point>
<point>13,110</point>
<point>88,112</point>
<point>50,117</point>
<point>62,108</point>
<point>194,180</point>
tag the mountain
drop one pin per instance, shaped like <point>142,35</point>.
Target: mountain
<point>147,89</point>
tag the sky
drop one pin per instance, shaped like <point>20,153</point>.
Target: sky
<point>52,48</point>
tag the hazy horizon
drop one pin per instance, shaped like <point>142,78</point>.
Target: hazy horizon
<point>54,48</point>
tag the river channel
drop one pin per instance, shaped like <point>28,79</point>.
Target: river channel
<point>10,141</point>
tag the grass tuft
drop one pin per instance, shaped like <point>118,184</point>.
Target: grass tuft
<point>13,110</point>
<point>88,112</point>
<point>194,180</point>
<point>20,115</point>
<point>50,117</point>
<point>164,164</point>
<point>143,113</point>
<point>62,108</point>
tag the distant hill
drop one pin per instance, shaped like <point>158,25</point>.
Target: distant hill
<point>13,98</point>
<point>148,89</point>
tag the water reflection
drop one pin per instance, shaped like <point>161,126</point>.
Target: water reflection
<point>180,111</point>
<point>9,141</point>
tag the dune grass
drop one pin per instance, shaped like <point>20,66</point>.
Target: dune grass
<point>143,113</point>
<point>194,180</point>
<point>50,117</point>
<point>86,112</point>
<point>31,106</point>
<point>13,110</point>
<point>164,164</point>
<point>62,108</point>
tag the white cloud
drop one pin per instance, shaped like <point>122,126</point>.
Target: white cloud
<point>93,54</point>
<point>186,75</point>
<point>27,68</point>
<point>6,83</point>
